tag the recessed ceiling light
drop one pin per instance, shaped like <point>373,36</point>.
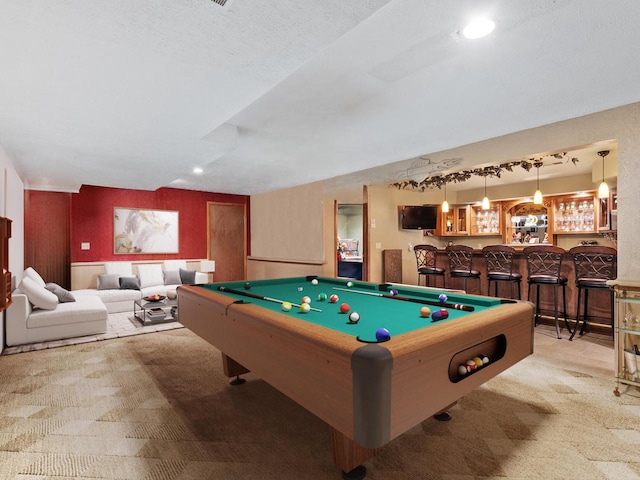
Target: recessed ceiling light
<point>198,170</point>
<point>478,28</point>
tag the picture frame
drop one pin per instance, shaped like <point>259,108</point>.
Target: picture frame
<point>137,230</point>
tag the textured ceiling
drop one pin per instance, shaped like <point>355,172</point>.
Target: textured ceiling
<point>266,95</point>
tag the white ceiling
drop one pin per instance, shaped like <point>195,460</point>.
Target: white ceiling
<point>266,95</point>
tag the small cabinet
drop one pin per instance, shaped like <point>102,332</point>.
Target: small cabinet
<point>456,220</point>
<point>575,214</point>
<point>627,336</point>
<point>486,222</point>
<point>527,223</point>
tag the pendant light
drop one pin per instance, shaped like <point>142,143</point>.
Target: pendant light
<point>603,189</point>
<point>445,204</point>
<point>485,200</point>
<point>537,197</point>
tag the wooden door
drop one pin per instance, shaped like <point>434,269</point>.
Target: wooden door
<point>227,240</point>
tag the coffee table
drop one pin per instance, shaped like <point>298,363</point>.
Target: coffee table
<point>150,313</point>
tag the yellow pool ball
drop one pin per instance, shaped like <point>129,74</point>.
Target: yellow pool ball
<point>425,311</point>
<point>305,308</point>
<point>286,306</point>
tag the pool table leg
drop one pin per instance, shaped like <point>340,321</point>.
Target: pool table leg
<point>349,456</point>
<point>232,368</point>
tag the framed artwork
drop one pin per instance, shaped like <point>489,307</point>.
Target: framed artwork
<point>145,231</point>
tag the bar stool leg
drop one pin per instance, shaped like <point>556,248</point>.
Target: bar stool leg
<point>577,314</point>
<point>555,305</point>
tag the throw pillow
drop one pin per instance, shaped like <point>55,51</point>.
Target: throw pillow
<point>172,277</point>
<point>64,295</point>
<point>109,281</point>
<point>188,276</point>
<point>150,275</point>
<point>33,275</point>
<point>123,269</point>
<point>129,283</point>
<point>38,295</point>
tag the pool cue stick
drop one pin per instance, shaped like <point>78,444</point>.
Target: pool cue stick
<point>455,306</point>
<point>260,297</point>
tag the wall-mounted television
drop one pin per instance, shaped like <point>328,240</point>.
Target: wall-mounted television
<point>419,217</point>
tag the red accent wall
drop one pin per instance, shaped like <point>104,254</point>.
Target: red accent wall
<point>92,220</point>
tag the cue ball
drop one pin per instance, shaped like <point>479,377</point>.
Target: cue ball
<point>463,370</point>
<point>305,308</point>
<point>322,297</point>
<point>344,308</point>
<point>485,359</point>
<point>382,334</point>
<point>333,298</point>
<point>354,317</point>
<point>314,281</point>
<point>425,311</point>
<point>349,284</point>
<point>247,286</point>
<point>442,297</point>
<point>286,306</point>
<point>394,292</point>
<point>306,299</point>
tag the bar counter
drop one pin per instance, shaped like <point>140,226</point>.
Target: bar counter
<point>599,314</point>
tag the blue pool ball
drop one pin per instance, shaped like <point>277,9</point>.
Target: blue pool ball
<point>394,292</point>
<point>442,297</point>
<point>437,315</point>
<point>382,335</point>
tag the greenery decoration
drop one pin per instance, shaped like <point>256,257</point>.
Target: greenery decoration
<point>439,180</point>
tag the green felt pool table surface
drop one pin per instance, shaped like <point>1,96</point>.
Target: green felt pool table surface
<point>396,315</point>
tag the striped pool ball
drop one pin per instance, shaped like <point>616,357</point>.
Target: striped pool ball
<point>322,297</point>
<point>442,297</point>
<point>305,308</point>
<point>306,299</point>
<point>334,298</point>
<point>393,292</point>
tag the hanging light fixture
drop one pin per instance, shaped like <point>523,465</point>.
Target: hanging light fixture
<point>445,204</point>
<point>485,200</point>
<point>537,197</point>
<point>603,189</point>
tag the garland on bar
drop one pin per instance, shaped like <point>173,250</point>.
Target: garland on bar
<point>438,181</point>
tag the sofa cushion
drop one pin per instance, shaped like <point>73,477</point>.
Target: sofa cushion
<point>64,295</point>
<point>110,296</point>
<point>33,275</point>
<point>84,309</point>
<point>172,277</point>
<point>187,276</point>
<point>38,295</point>
<point>123,269</point>
<point>109,281</point>
<point>150,275</point>
<point>129,283</point>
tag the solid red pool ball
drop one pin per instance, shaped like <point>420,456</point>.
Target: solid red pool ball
<point>333,298</point>
<point>444,312</point>
<point>344,308</point>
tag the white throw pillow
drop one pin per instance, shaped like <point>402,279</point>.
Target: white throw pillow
<point>38,295</point>
<point>170,265</point>
<point>150,275</point>
<point>35,276</point>
<point>123,269</point>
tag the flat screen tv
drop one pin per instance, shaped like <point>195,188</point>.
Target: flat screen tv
<point>423,217</point>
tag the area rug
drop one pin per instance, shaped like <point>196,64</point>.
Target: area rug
<point>157,407</point>
<point>122,324</point>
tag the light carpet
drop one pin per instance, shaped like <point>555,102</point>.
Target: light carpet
<point>157,407</point>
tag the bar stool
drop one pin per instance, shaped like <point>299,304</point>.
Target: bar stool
<point>426,262</point>
<point>460,257</point>
<point>499,262</point>
<point>594,265</point>
<point>544,268</point>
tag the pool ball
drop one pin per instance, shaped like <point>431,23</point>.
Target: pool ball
<point>393,292</point>
<point>247,286</point>
<point>286,306</point>
<point>437,315</point>
<point>314,281</point>
<point>444,312</point>
<point>305,308</point>
<point>463,369</point>
<point>382,334</point>
<point>354,317</point>
<point>425,311</point>
<point>322,297</point>
<point>349,284</point>
<point>485,359</point>
<point>471,364</point>
<point>306,299</point>
<point>344,308</point>
<point>442,297</point>
<point>478,361</point>
<point>333,298</point>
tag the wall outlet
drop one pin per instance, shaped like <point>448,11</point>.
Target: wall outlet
<point>373,223</point>
<point>85,246</point>
<point>410,247</point>
<point>378,246</point>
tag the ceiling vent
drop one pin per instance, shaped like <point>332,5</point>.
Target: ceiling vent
<point>222,3</point>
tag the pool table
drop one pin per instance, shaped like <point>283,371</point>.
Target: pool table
<point>368,391</point>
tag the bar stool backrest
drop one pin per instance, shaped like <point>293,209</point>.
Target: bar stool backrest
<point>595,262</point>
<point>460,258</point>
<point>544,260</point>
<point>425,256</point>
<point>498,258</point>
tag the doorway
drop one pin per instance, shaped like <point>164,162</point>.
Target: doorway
<point>350,240</point>
<point>226,239</point>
